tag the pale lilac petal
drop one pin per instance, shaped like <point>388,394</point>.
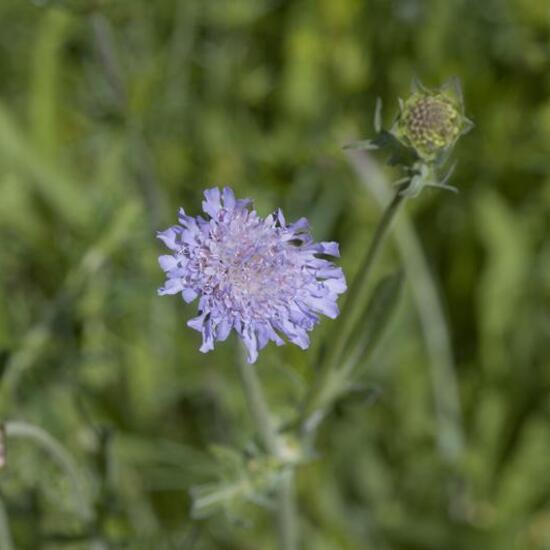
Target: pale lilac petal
<point>324,306</point>
<point>263,335</point>
<point>169,237</point>
<point>223,329</point>
<point>172,286</point>
<point>330,249</point>
<point>251,344</point>
<point>168,262</point>
<point>189,294</point>
<point>197,322</point>
<point>229,201</point>
<point>298,226</point>
<point>336,286</point>
<point>212,204</point>
<point>207,337</point>
<point>330,272</point>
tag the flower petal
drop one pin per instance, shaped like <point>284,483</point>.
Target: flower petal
<point>189,294</point>
<point>169,237</point>
<point>212,204</point>
<point>228,198</point>
<point>171,286</point>
<point>168,262</point>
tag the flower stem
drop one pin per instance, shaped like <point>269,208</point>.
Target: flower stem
<point>322,392</point>
<point>6,541</point>
<point>258,408</point>
<point>287,512</point>
<point>268,436</point>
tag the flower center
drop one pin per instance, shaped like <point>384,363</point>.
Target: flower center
<point>247,267</point>
<point>431,122</point>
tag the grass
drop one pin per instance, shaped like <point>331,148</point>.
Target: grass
<point>113,114</point>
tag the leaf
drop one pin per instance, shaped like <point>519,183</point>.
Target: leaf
<point>63,193</point>
<point>369,327</point>
<point>361,394</point>
<point>211,498</point>
<point>239,481</point>
<point>378,115</point>
<point>363,145</point>
<point>228,459</point>
<point>378,313</point>
<point>45,98</point>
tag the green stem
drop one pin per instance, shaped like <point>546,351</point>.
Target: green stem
<point>322,391</point>
<point>268,435</point>
<point>287,512</point>
<point>6,541</point>
<point>258,408</point>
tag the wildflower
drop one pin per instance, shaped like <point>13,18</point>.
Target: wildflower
<point>259,277</point>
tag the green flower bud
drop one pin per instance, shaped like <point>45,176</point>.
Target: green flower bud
<point>430,122</point>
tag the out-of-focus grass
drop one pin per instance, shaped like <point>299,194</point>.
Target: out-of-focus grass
<point>112,117</point>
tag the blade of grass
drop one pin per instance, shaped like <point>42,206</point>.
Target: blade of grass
<point>24,430</point>
<point>45,79</point>
<point>61,192</point>
<point>37,337</point>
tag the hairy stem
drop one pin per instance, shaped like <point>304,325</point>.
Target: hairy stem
<point>287,512</point>
<point>258,408</point>
<point>6,541</point>
<point>267,433</point>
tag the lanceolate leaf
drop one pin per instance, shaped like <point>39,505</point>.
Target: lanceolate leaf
<point>363,145</point>
<point>369,327</point>
<point>377,314</point>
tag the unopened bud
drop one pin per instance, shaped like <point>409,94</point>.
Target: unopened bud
<point>431,122</point>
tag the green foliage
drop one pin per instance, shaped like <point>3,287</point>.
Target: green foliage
<point>115,113</point>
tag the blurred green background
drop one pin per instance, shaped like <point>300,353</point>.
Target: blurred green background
<point>114,113</point>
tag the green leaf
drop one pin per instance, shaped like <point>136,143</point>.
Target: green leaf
<point>45,99</point>
<point>369,327</point>
<point>229,460</point>
<point>239,481</point>
<point>378,313</point>
<point>211,498</point>
<point>378,115</point>
<point>363,145</point>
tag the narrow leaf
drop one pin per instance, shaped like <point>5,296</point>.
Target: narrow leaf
<point>377,315</point>
<point>378,116</point>
<point>363,145</point>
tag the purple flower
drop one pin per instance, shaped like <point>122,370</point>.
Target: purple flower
<point>261,277</point>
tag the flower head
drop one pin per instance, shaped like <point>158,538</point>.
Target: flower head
<point>259,277</point>
<point>431,121</point>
